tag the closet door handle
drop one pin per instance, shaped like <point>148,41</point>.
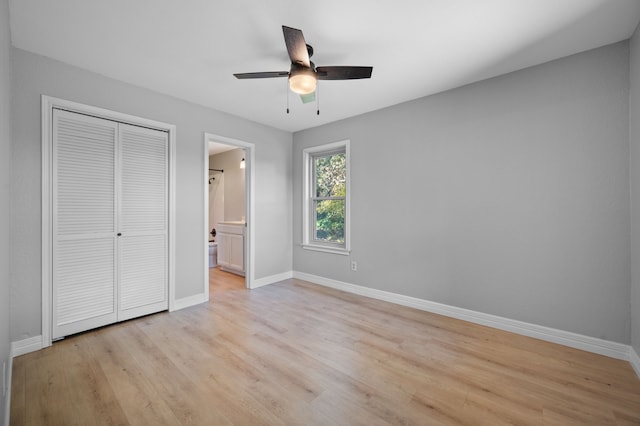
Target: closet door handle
<point>119,234</point>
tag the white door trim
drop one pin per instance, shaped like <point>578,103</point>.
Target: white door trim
<point>249,247</point>
<point>48,104</point>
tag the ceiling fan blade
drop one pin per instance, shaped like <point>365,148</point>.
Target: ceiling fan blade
<point>296,46</point>
<point>343,73</point>
<point>268,74</point>
<point>308,97</point>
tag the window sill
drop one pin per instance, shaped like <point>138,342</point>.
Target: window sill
<point>340,251</point>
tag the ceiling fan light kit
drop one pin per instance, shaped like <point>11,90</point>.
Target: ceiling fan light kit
<point>302,80</point>
<point>303,75</point>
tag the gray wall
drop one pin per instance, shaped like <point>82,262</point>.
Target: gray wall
<point>234,182</point>
<point>634,142</point>
<point>34,75</point>
<point>509,196</point>
<point>5,199</point>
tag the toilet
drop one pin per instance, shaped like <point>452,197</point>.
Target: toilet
<point>213,254</point>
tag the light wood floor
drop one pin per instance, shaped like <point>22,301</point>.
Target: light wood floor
<point>295,353</point>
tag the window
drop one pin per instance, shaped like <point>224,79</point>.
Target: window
<point>326,198</point>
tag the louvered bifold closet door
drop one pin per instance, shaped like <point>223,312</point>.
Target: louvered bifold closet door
<point>143,245</point>
<point>84,224</point>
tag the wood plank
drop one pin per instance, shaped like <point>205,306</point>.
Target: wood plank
<point>298,353</point>
<point>18,390</point>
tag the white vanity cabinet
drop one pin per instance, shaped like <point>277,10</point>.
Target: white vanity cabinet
<point>230,238</point>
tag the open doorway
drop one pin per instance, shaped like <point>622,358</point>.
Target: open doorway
<point>228,206</point>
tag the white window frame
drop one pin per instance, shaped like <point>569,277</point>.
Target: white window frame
<point>308,223</point>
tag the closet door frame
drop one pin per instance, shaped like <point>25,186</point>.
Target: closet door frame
<point>48,105</point>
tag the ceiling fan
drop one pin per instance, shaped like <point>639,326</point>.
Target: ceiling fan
<point>303,74</point>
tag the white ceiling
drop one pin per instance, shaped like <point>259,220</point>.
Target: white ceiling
<point>190,49</point>
<point>219,148</point>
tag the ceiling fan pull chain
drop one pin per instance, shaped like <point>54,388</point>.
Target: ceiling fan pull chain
<point>287,97</point>
<point>318,99</point>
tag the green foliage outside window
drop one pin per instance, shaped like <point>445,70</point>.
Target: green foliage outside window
<point>330,187</point>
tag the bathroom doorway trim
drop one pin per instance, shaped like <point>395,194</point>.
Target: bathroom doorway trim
<point>249,206</point>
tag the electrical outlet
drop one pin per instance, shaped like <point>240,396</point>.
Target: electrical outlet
<point>354,265</point>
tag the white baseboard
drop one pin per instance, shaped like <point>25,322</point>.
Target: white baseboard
<point>271,279</point>
<point>25,346</point>
<point>634,360</point>
<point>186,302</point>
<point>574,340</point>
